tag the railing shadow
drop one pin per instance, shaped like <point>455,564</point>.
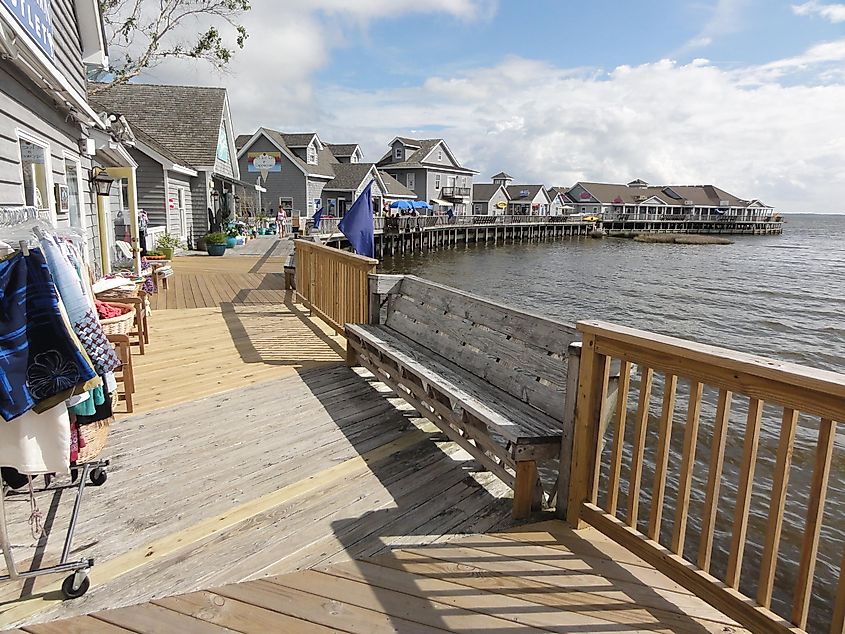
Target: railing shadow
<point>432,493</point>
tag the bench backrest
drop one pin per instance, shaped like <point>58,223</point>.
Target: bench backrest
<point>520,353</point>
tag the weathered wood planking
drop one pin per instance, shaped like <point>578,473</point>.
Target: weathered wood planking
<point>536,578</point>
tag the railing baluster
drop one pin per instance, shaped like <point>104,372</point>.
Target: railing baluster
<point>714,479</point>
<point>838,621</point>
<point>815,508</point>
<point>639,445</point>
<point>743,497</point>
<point>605,384</point>
<point>776,505</point>
<point>687,462</point>
<point>618,436</point>
<point>662,460</point>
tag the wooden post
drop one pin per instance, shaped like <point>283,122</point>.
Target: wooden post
<point>588,409</point>
<point>573,364</point>
<point>524,488</point>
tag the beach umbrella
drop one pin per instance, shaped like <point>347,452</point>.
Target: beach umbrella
<point>420,204</point>
<point>401,204</point>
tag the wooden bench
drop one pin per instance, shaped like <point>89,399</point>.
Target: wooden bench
<point>492,378</point>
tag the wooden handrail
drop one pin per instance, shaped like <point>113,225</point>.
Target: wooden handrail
<point>333,283</point>
<point>748,381</point>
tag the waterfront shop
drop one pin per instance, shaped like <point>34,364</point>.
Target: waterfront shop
<point>183,143</point>
<point>53,144</point>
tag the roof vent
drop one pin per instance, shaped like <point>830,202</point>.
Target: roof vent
<point>639,183</point>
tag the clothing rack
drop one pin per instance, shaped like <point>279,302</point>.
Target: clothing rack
<point>23,225</point>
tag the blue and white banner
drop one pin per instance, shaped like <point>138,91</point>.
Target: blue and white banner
<point>34,17</point>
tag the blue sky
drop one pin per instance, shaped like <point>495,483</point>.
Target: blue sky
<point>748,95</point>
<point>597,34</point>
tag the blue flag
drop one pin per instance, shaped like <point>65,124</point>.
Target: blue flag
<point>357,224</point>
<point>317,217</point>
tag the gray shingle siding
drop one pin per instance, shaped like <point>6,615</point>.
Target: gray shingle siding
<point>149,179</point>
<point>289,183</point>
<point>67,48</point>
<point>22,107</point>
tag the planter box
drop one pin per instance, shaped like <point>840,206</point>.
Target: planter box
<point>215,249</point>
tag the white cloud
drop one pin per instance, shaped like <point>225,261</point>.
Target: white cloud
<point>726,17</point>
<point>833,12</point>
<point>772,131</point>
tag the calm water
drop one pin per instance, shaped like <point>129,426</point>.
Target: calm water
<point>780,296</point>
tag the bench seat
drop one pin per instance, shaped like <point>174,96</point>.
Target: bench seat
<point>515,421</point>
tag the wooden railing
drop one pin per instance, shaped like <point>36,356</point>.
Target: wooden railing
<point>333,284</point>
<point>328,226</point>
<point>709,384</point>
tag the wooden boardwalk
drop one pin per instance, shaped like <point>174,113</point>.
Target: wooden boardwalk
<point>542,578</point>
<point>307,498</point>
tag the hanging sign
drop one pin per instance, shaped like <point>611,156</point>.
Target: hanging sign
<point>264,162</point>
<point>34,17</point>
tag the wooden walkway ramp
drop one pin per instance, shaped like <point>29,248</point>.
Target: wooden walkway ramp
<point>540,577</point>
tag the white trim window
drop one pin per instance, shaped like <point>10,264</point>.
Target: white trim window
<point>399,153</point>
<point>439,154</point>
<point>311,154</point>
<point>36,172</point>
<point>73,180</point>
<point>410,180</point>
<point>437,182</point>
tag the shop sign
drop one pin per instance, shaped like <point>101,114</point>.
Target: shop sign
<point>34,17</point>
<point>264,162</point>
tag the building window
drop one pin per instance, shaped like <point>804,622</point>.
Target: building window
<point>439,155</point>
<point>397,153</point>
<point>76,217</point>
<point>312,155</point>
<point>437,181</point>
<point>35,171</point>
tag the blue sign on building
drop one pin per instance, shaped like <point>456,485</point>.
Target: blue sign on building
<point>34,17</point>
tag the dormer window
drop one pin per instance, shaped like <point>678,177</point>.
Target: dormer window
<point>397,153</point>
<point>312,155</point>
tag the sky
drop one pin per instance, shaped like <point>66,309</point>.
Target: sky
<point>748,95</point>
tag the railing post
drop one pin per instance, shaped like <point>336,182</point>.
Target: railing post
<point>573,366</point>
<point>591,382</point>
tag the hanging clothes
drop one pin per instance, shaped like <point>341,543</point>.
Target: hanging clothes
<point>41,364</point>
<point>80,310</point>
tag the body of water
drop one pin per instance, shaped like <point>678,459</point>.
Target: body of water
<point>779,296</point>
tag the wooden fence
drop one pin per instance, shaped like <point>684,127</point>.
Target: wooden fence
<point>333,284</point>
<point>702,379</point>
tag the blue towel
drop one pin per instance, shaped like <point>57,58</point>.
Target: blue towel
<point>40,361</point>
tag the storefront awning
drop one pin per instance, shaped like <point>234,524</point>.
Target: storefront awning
<point>442,203</point>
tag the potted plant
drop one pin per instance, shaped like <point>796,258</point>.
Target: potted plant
<point>166,244</point>
<point>215,243</point>
<point>232,238</point>
<point>155,255</point>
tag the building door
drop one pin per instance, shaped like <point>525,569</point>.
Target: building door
<point>182,211</point>
<point>411,180</point>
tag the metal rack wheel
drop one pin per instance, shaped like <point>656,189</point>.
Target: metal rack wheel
<point>98,476</point>
<point>76,584</point>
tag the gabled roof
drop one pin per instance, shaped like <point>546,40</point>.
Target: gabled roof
<point>515,192</point>
<point>349,176</point>
<point>241,140</point>
<point>483,192</point>
<point>699,195</point>
<point>424,147</point>
<point>502,175</point>
<point>325,159</point>
<point>184,119</point>
<point>298,139</point>
<point>343,149</point>
<point>394,188</point>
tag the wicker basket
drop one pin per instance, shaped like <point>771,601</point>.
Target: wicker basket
<point>119,325</point>
<point>95,436</point>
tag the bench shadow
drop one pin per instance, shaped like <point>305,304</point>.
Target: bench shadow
<point>438,493</point>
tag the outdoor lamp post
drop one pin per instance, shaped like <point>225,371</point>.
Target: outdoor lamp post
<point>102,185</point>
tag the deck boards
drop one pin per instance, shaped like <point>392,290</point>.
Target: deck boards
<point>264,486</point>
<point>531,578</point>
